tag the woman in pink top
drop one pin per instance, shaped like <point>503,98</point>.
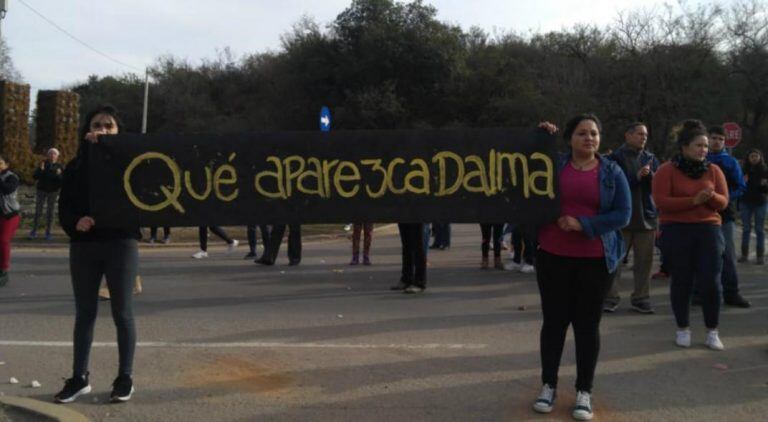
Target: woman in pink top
<point>577,255</point>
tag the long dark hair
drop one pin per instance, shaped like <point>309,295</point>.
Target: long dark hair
<point>760,166</point>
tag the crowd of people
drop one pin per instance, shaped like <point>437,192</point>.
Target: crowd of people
<point>610,204</point>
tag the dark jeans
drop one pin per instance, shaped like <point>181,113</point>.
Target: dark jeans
<point>748,213</point>
<point>442,234</point>
<point>414,270</point>
<point>117,260</point>
<point>251,232</point>
<point>693,255</point>
<point>153,232</point>
<point>485,230</point>
<point>218,231</point>
<point>275,238</point>
<point>522,241</point>
<point>47,199</point>
<point>730,277</point>
<point>572,293</point>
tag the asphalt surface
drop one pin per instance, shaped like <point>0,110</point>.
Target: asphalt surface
<point>228,340</point>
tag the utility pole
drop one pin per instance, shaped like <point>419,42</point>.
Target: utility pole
<point>3,11</point>
<point>146,101</point>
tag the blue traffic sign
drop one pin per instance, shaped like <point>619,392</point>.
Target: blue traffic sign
<point>325,119</point>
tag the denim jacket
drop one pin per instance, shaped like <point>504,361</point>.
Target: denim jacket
<point>614,213</point>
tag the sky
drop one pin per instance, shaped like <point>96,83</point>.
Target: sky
<point>137,32</point>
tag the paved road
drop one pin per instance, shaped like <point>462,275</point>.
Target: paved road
<point>227,340</point>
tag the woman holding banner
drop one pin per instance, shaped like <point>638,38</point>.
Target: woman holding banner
<point>95,252</point>
<point>576,257</point>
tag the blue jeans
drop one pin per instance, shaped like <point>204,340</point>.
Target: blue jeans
<point>748,212</point>
<point>730,278</point>
<point>693,254</point>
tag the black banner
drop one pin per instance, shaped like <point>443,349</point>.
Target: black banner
<point>477,175</point>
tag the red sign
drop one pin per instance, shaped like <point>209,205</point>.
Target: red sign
<point>732,134</point>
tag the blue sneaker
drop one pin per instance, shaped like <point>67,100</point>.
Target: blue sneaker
<point>32,235</point>
<point>48,237</point>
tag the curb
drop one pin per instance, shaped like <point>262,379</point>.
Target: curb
<point>47,410</point>
<point>24,244</point>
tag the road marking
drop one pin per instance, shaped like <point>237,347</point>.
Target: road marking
<point>255,345</point>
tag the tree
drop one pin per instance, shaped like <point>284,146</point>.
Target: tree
<point>7,70</point>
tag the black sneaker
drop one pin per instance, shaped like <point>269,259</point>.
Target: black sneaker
<point>264,261</point>
<point>737,300</point>
<point>122,389</point>
<point>643,308</point>
<point>3,278</point>
<point>73,388</point>
<point>400,286</point>
<point>250,255</point>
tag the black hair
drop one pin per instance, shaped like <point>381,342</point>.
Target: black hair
<point>570,126</point>
<point>748,166</point>
<point>689,130</point>
<point>632,126</point>
<point>716,130</point>
<point>107,109</point>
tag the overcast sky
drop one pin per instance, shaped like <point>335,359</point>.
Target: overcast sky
<point>136,32</point>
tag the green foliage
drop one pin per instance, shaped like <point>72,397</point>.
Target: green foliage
<point>385,64</point>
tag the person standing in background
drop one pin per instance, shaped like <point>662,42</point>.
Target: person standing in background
<point>736,188</point>
<point>753,205</point>
<point>9,217</point>
<point>639,167</point>
<point>367,231</point>
<point>48,175</point>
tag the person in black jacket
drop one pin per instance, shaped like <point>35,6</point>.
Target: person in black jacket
<point>9,217</point>
<point>48,176</point>
<point>94,252</point>
<point>753,204</point>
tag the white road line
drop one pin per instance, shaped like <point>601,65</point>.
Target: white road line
<point>253,345</point>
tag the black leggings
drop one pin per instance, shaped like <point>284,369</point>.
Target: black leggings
<point>88,262</point>
<point>414,268</point>
<point>486,229</point>
<point>218,231</point>
<point>572,292</point>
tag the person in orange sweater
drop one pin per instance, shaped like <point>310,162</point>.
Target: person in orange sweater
<point>689,192</point>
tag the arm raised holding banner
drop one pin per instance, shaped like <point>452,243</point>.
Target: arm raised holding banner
<point>97,252</point>
<point>578,254</point>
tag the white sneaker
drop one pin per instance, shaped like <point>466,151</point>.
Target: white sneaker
<point>546,400</point>
<point>200,255</point>
<point>683,338</point>
<point>232,246</point>
<point>512,266</point>
<point>583,409</point>
<point>527,269</point>
<point>713,340</point>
